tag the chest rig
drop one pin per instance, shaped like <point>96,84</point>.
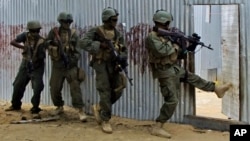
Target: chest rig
<point>65,37</point>
<point>169,59</point>
<point>105,54</point>
<point>31,47</point>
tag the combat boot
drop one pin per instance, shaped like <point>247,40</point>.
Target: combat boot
<point>35,112</point>
<point>157,130</point>
<point>95,110</point>
<point>11,108</point>
<point>106,127</point>
<point>220,90</point>
<point>57,111</point>
<point>83,117</point>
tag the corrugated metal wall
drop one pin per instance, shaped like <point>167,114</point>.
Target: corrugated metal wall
<point>208,22</point>
<point>141,101</point>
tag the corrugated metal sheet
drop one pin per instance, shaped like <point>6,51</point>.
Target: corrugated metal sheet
<point>208,25</point>
<point>141,101</point>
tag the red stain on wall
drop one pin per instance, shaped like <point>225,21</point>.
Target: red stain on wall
<point>8,53</point>
<point>135,39</point>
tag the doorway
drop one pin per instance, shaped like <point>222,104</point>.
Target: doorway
<point>218,25</point>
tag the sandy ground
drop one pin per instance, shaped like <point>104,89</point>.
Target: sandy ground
<point>69,128</point>
<point>207,104</point>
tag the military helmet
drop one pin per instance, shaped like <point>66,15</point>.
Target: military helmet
<point>162,16</point>
<point>33,25</point>
<point>108,12</point>
<point>64,16</point>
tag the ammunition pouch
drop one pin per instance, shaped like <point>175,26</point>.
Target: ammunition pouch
<point>80,74</point>
<point>122,83</point>
<point>54,53</point>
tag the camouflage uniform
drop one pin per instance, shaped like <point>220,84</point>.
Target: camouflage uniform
<point>62,70</point>
<point>109,82</point>
<point>163,55</point>
<point>31,68</point>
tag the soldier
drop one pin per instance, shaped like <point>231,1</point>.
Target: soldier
<point>64,53</point>
<point>110,82</point>
<point>163,55</point>
<point>31,68</point>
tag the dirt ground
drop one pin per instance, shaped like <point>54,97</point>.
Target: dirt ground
<point>69,128</point>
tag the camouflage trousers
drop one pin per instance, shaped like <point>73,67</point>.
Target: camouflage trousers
<point>170,87</point>
<point>58,76</point>
<point>107,81</point>
<point>21,81</point>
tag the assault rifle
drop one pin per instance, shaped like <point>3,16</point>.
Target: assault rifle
<point>120,63</point>
<point>29,65</point>
<point>175,35</point>
<point>60,48</point>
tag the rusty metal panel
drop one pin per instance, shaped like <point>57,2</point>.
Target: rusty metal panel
<point>141,101</point>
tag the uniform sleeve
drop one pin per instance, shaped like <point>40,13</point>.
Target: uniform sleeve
<point>88,43</point>
<point>158,47</point>
<point>21,38</point>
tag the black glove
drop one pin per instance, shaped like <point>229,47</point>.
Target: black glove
<point>122,61</point>
<point>192,47</point>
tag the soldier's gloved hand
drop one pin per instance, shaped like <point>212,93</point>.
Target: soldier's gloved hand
<point>192,47</point>
<point>104,45</point>
<point>122,60</point>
